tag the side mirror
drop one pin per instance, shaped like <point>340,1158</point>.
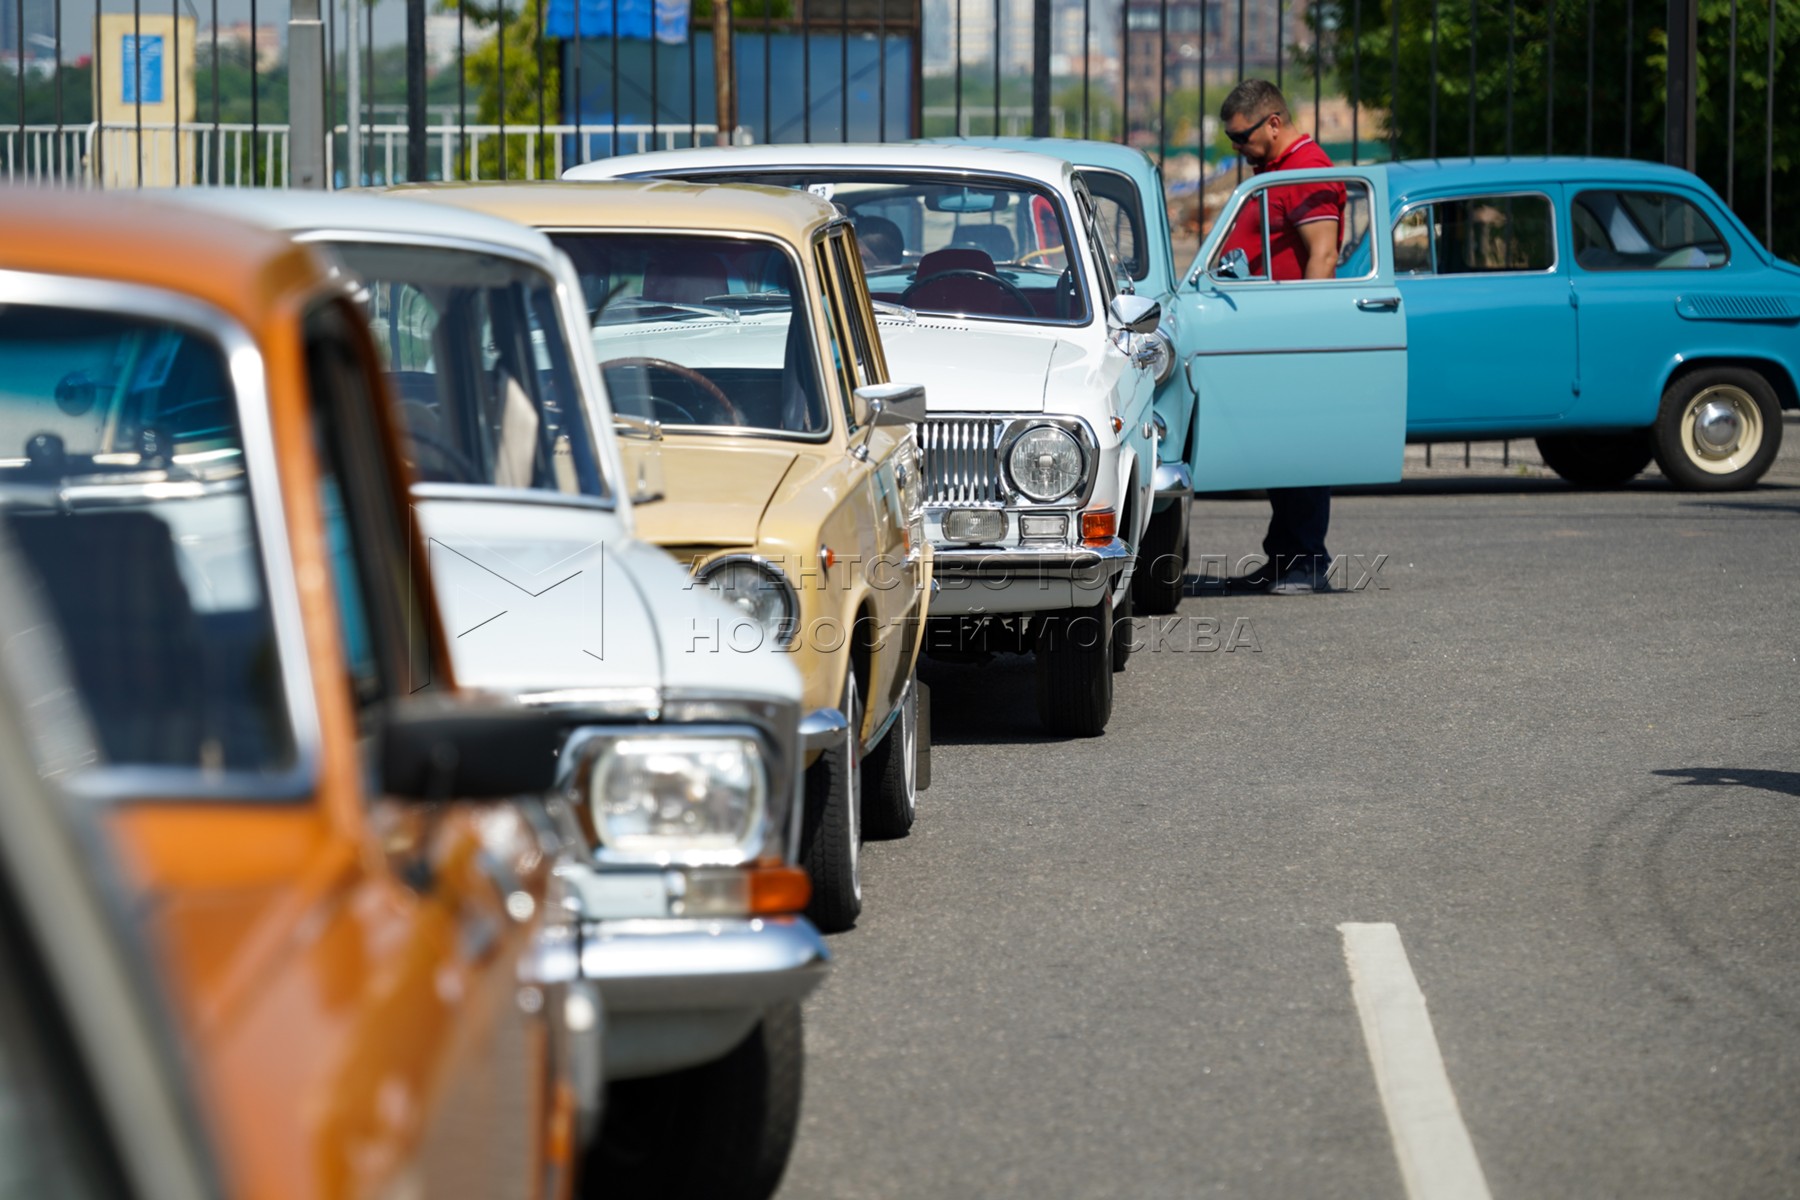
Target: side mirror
<point>468,750</point>
<point>891,404</point>
<point>1134,314</point>
<point>1234,265</point>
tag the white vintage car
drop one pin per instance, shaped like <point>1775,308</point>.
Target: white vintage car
<point>999,294</point>
<point>682,770</point>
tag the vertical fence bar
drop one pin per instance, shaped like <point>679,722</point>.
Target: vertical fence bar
<point>137,76</point>
<point>693,87</point>
<point>1200,133</point>
<point>1318,64</point>
<point>805,70</point>
<point>1242,25</point>
<point>99,150</point>
<point>1769,141</point>
<point>329,9</point>
<point>1280,42</point>
<point>1474,66</point>
<point>500,78</point>
<point>1588,136</point>
<point>19,70</point>
<point>997,6</point>
<point>575,93</point>
<point>1040,68</point>
<point>58,153</point>
<point>768,93</point>
<point>415,89</point>
<point>1125,71</point>
<point>655,97</point>
<point>1393,121</point>
<point>1432,138</point>
<point>1550,78</point>
<point>175,44</point>
<point>537,146</point>
<point>1678,131</point>
<point>843,70</point>
<point>1356,84</point>
<point>1512,63</point>
<point>1630,114</point>
<point>881,69</point>
<point>462,82</point>
<point>1162,82</point>
<point>1087,61</point>
<point>956,131</point>
<point>1731,113</point>
<point>366,116</point>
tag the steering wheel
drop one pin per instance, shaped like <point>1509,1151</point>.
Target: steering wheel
<point>1011,289</point>
<point>451,456</point>
<point>687,375</point>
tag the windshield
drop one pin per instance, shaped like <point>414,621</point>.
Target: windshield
<point>124,495</point>
<point>475,351</point>
<point>945,244</point>
<point>706,332</point>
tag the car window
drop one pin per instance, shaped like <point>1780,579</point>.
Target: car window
<point>473,345</point>
<point>1644,231</point>
<point>124,490</point>
<point>1119,216</point>
<point>843,286</point>
<point>1471,235</point>
<point>1267,226</point>
<point>700,331</point>
<point>970,247</point>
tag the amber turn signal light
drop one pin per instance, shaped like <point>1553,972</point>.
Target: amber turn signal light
<point>778,890</point>
<point>1099,526</point>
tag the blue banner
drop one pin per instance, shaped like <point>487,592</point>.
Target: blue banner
<point>634,16</point>
<point>141,60</point>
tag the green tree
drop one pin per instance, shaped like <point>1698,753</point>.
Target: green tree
<point>1539,100</point>
<point>532,87</point>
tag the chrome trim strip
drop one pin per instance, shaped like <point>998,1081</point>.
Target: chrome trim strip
<point>887,723</point>
<point>1027,562</point>
<point>267,513</point>
<point>1295,350</point>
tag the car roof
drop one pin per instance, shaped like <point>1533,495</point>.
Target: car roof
<point>292,212</point>
<point>249,272</point>
<point>1413,174</point>
<point>1042,168</point>
<point>658,204</point>
<point>1083,152</point>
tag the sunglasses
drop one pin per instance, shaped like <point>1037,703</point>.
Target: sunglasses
<point>1239,136</point>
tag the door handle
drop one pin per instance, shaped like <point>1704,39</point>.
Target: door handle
<point>1378,303</point>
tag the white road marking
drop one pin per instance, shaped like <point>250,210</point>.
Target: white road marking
<point>1437,1159</point>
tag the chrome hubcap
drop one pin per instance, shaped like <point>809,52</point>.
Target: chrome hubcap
<point>909,746</point>
<point>1722,429</point>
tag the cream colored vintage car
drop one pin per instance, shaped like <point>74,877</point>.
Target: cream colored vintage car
<point>736,336</point>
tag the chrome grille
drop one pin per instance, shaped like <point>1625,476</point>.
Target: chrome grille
<point>962,460</point>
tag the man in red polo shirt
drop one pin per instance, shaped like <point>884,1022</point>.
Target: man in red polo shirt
<point>1304,231</point>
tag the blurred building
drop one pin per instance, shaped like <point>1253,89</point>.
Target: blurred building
<point>1166,40</point>
<point>236,40</point>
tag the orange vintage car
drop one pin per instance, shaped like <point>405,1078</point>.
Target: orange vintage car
<point>357,941</point>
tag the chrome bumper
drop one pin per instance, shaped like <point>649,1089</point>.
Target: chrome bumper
<point>823,729</point>
<point>1023,579</point>
<point>681,992</point>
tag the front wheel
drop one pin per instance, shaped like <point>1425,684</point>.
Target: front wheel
<point>1596,460</point>
<point>891,774</point>
<point>1075,670</point>
<point>1162,566</point>
<point>1718,430</point>
<point>723,1129</point>
<point>831,826</point>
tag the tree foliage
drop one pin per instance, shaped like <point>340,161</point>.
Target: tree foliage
<point>1531,92</point>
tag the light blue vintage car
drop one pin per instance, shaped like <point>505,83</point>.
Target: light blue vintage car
<point>1293,385</point>
<point>1614,310</point>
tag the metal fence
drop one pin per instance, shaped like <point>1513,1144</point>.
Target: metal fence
<point>525,86</point>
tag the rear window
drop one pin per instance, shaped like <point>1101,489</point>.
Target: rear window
<point>1475,235</point>
<point>1644,231</point>
<point>124,494</point>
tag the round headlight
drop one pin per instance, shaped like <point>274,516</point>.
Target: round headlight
<point>1046,463</point>
<point>760,589</point>
<point>654,795</point>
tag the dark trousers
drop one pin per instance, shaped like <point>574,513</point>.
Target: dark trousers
<point>1295,542</point>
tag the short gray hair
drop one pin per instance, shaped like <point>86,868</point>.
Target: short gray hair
<point>1253,99</point>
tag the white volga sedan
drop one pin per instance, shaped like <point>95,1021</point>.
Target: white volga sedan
<point>996,290</point>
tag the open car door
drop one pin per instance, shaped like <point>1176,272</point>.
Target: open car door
<point>1302,382</point>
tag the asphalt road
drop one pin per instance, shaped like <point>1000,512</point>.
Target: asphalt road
<point>1553,742</point>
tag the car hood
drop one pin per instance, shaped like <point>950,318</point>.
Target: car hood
<point>540,600</point>
<point>714,492</point>
<point>970,366</point>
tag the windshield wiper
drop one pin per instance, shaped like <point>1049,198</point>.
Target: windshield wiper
<point>699,310</point>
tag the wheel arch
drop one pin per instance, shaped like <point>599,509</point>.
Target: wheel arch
<point>1779,376</point>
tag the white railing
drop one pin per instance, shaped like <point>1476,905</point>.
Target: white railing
<point>240,155</point>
